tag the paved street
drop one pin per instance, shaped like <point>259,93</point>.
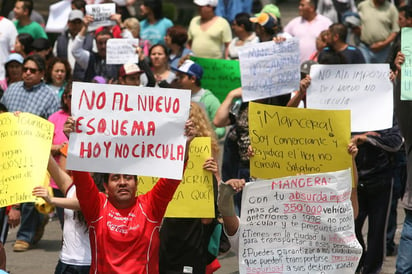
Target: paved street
<point>44,257</point>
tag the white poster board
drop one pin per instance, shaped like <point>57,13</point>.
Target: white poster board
<point>101,14</point>
<point>58,16</point>
<point>299,224</point>
<point>128,130</point>
<point>269,69</point>
<point>364,89</point>
<point>121,51</point>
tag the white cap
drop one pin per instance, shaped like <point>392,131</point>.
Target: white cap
<point>212,3</point>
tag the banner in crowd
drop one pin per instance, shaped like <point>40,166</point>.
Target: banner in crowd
<point>364,89</point>
<point>406,68</point>
<point>289,141</point>
<point>26,141</point>
<point>128,130</point>
<point>219,76</point>
<point>299,224</point>
<point>101,15</point>
<point>269,69</point>
<point>194,197</point>
<point>122,51</point>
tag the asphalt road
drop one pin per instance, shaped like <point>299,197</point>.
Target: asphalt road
<point>44,256</point>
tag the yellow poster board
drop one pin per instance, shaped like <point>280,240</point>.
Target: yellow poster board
<point>290,141</point>
<point>25,148</point>
<point>194,197</point>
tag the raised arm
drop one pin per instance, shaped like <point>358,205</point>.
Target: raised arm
<point>69,203</point>
<point>226,204</point>
<point>81,55</point>
<point>62,179</point>
<point>222,114</point>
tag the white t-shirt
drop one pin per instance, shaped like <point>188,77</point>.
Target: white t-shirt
<point>8,35</point>
<point>233,240</point>
<point>76,243</point>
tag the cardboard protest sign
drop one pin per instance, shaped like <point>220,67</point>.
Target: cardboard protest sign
<point>58,16</point>
<point>406,68</point>
<point>219,76</point>
<point>26,141</point>
<point>101,15</point>
<point>121,51</point>
<point>364,89</point>
<point>269,69</point>
<point>128,130</point>
<point>299,224</point>
<point>194,197</point>
<point>289,141</point>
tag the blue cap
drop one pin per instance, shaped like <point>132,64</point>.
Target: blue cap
<point>15,57</point>
<point>191,68</point>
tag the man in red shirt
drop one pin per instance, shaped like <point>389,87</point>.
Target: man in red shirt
<point>123,228</point>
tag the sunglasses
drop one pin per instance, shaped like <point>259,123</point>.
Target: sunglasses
<point>32,70</point>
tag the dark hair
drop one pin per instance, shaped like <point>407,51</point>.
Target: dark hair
<point>50,65</point>
<point>331,57</point>
<point>407,9</point>
<point>27,4</point>
<point>314,3</point>
<point>40,62</point>
<point>105,177</point>
<point>159,45</point>
<point>67,90</point>
<point>79,4</point>
<point>104,31</point>
<point>3,108</point>
<point>340,30</point>
<point>178,34</point>
<point>41,44</point>
<point>243,19</point>
<point>156,7</point>
<point>26,40</point>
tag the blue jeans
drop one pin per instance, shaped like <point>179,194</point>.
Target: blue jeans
<point>62,268</point>
<point>30,220</point>
<point>374,57</point>
<point>404,261</point>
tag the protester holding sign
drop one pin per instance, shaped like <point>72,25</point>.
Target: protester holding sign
<point>124,228</point>
<point>374,191</point>
<point>31,95</point>
<point>93,63</point>
<point>64,42</point>
<point>184,241</point>
<point>228,189</point>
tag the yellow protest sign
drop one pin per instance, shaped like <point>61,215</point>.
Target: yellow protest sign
<point>194,197</point>
<point>291,141</point>
<point>26,140</point>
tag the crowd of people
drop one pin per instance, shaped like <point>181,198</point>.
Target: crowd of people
<point>36,76</point>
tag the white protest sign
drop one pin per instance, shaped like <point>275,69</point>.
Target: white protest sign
<point>269,69</point>
<point>364,89</point>
<point>299,224</point>
<point>121,51</point>
<point>128,130</point>
<point>58,16</point>
<point>101,15</point>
